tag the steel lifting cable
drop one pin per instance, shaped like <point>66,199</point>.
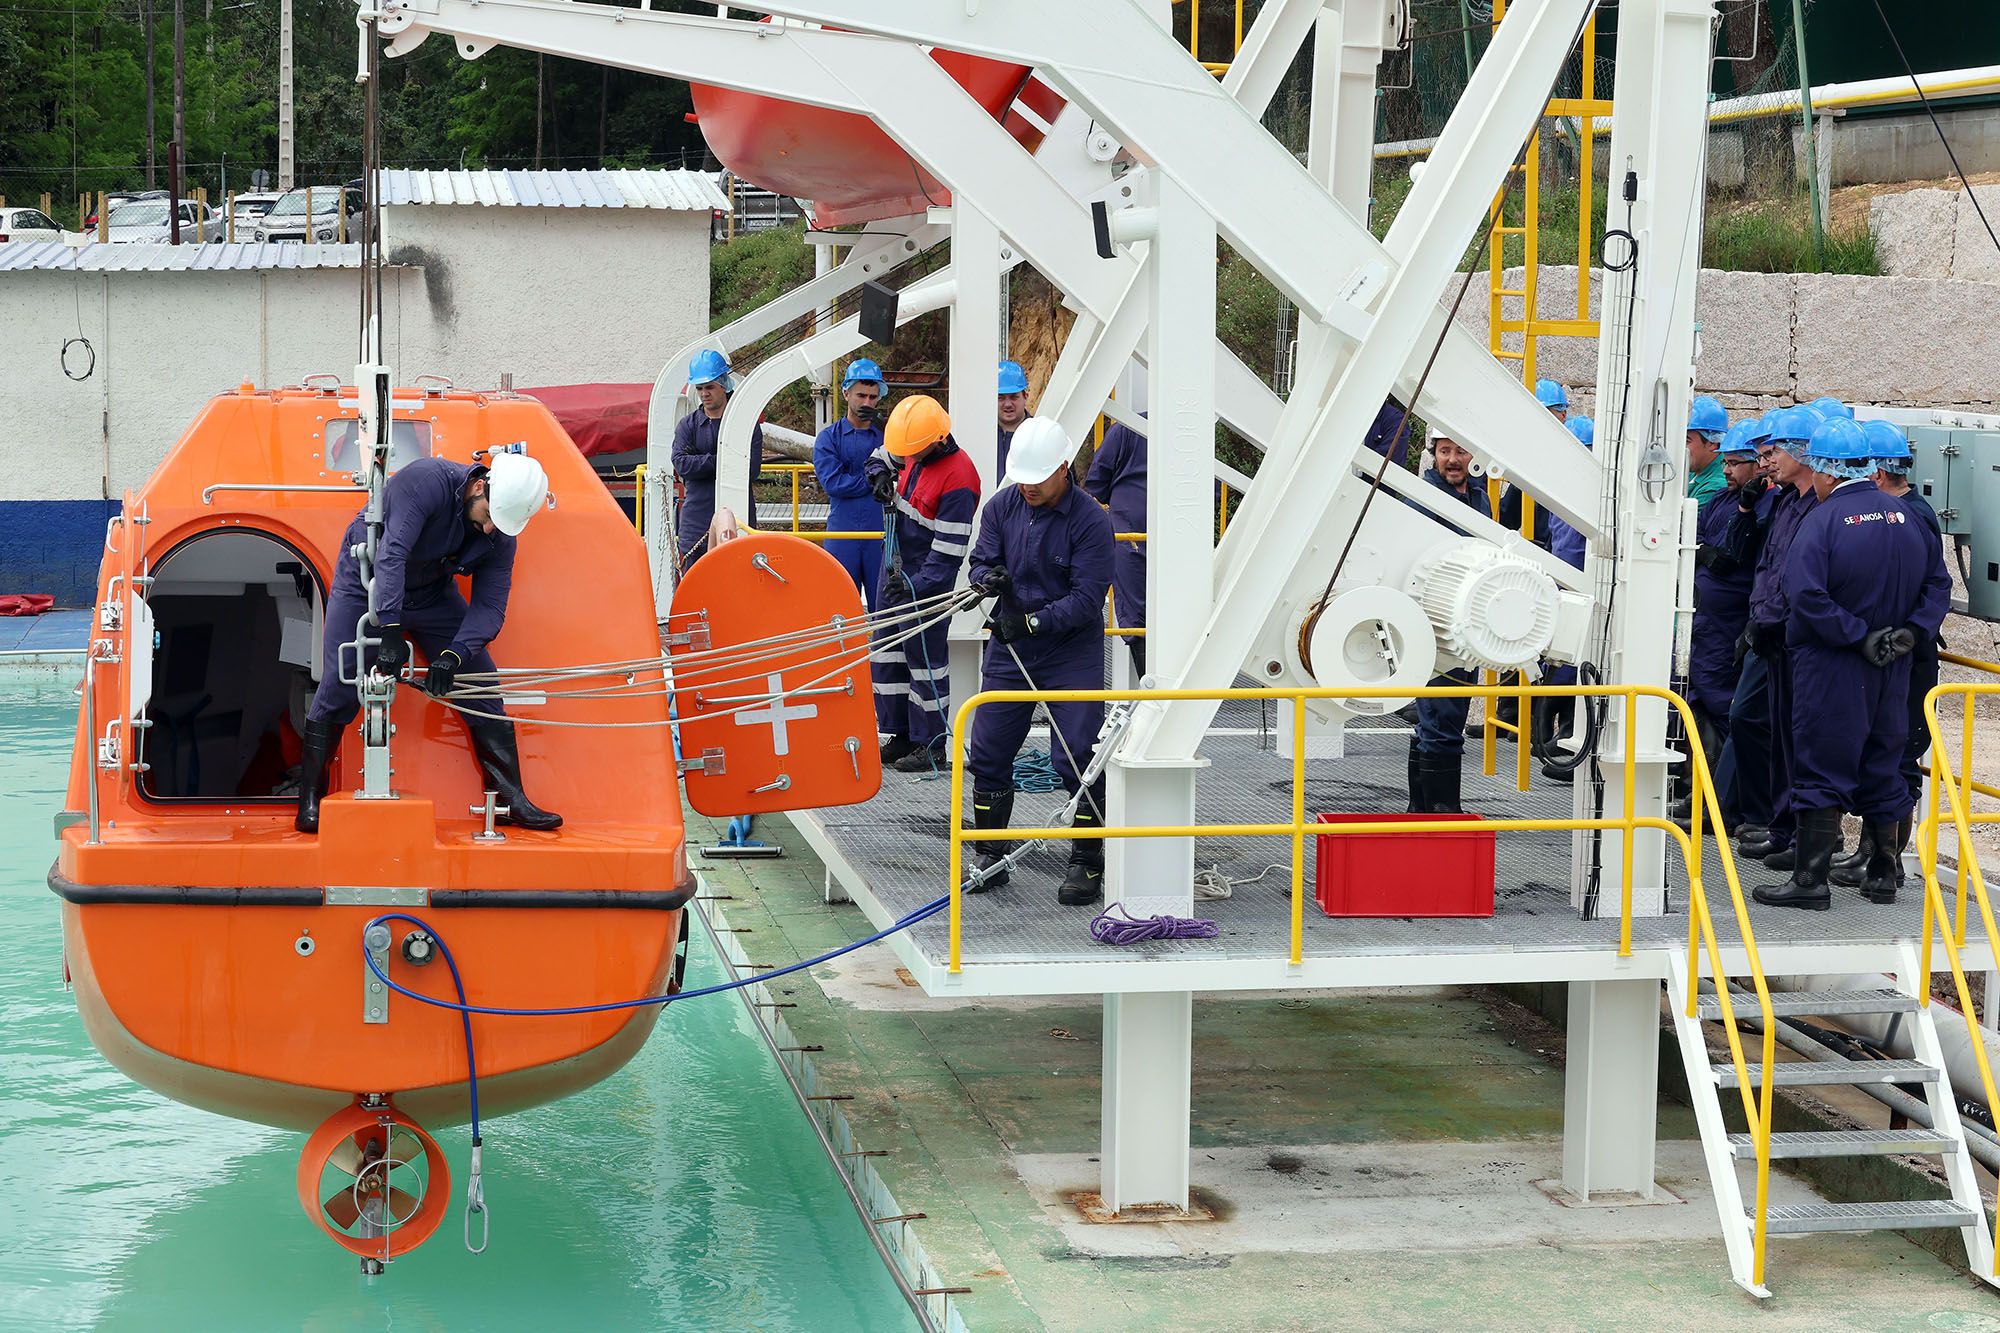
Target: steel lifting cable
<point>758,702</point>
<point>681,683</point>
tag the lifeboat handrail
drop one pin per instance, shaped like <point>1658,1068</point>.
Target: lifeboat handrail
<point>208,492</point>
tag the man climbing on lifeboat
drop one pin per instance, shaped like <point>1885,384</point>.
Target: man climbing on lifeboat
<point>440,519</point>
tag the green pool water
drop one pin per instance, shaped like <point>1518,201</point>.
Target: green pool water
<point>686,1192</point>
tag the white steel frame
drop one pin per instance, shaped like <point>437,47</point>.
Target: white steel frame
<point>1370,314</point>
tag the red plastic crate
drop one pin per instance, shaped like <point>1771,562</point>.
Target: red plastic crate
<point>1404,874</point>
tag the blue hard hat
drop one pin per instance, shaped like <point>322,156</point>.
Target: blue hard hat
<point>1758,430</point>
<point>1550,394</point>
<point>708,367</point>
<point>1584,429</point>
<point>1705,414</point>
<point>1741,439</point>
<point>1839,448</point>
<point>860,370</point>
<point>1828,405</point>
<point>1886,439</point>
<point>1794,424</point>
<point>1013,379</point>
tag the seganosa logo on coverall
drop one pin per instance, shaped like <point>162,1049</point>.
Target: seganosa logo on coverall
<point>1852,519</point>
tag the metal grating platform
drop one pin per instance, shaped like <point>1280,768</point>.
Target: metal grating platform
<point>897,845</point>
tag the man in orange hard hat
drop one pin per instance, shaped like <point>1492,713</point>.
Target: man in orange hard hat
<point>931,491</point>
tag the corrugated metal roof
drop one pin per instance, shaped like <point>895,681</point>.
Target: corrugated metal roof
<point>132,257</point>
<point>677,190</point>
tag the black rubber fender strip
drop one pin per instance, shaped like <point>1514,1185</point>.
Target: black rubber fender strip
<point>656,900</point>
<point>180,895</point>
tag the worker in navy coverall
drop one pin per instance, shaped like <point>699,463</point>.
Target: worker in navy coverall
<point>1770,607</point>
<point>1438,747</point>
<point>1117,477</point>
<point>1044,553</point>
<point>1728,536</point>
<point>840,461</point>
<point>932,489</point>
<point>1012,410</point>
<point>1865,585</point>
<point>1891,450</point>
<point>694,454</point>
<point>436,525</point>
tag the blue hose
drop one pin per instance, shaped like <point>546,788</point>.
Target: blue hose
<point>466,1011</point>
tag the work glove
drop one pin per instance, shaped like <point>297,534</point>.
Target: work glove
<point>443,673</point>
<point>882,481</point>
<point>394,654</point>
<point>1705,557</point>
<point>1766,640</point>
<point>1884,646</point>
<point>1753,491</point>
<point>1008,626</point>
<point>997,581</point>
<point>1742,649</point>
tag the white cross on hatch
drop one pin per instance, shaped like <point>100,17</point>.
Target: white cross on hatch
<point>777,715</point>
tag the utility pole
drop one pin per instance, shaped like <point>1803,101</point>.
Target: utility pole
<point>286,148</point>
<point>1809,132</point>
<point>146,17</point>
<point>541,63</point>
<point>180,77</point>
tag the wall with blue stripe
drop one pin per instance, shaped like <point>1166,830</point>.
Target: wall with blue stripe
<point>53,546</point>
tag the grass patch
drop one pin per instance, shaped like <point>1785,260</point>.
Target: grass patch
<point>1777,237</point>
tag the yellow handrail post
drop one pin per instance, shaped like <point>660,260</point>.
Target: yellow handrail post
<point>795,499</point>
<point>1966,710</point>
<point>958,835</point>
<point>1298,829</point>
<point>1631,827</point>
<point>639,499</point>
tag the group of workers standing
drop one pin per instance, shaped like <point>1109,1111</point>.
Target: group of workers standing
<point>1820,590</point>
<point>1041,551</point>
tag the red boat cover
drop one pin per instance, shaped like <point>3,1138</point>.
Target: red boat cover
<point>601,418</point>
<point>26,603</point>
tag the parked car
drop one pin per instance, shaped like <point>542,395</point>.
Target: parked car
<point>28,224</point>
<point>149,221</point>
<point>117,197</point>
<point>246,210</point>
<point>287,219</point>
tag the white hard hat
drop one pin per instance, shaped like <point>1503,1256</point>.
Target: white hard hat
<point>516,487</point>
<point>1041,447</point>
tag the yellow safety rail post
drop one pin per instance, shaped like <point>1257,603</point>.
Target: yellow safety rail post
<point>1701,925</point>
<point>639,499</point>
<point>1936,921</point>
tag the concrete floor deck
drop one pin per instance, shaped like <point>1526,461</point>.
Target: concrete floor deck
<point>1372,1158</point>
<point>894,849</point>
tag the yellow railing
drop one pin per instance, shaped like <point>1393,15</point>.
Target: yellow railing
<point>1938,922</point>
<point>1194,37</point>
<point>639,499</point>
<point>1701,925</point>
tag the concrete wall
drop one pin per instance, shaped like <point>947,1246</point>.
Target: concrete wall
<point>1778,338</point>
<point>553,295</point>
<point>1935,233</point>
<point>1870,149</point>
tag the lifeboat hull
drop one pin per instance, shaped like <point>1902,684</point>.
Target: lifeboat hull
<point>217,953</point>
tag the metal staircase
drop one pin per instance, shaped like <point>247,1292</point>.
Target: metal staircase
<point>1944,1138</point>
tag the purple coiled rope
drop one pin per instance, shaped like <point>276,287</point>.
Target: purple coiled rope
<point>1128,929</point>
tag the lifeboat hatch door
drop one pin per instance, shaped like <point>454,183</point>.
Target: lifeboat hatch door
<point>767,726</point>
<point>224,670</point>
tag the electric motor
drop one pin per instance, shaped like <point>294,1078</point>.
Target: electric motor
<point>1490,608</point>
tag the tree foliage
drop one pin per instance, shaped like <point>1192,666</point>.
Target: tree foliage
<point>73,118</point>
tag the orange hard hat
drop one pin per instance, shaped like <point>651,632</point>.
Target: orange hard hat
<point>917,423</point>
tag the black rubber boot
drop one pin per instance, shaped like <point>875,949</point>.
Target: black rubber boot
<point>1819,835</point>
<point>1785,859</point>
<point>1850,869</point>
<point>895,748</point>
<point>1884,871</point>
<point>1440,777</point>
<point>500,765</point>
<point>1083,882</point>
<point>1904,828</point>
<point>1418,796</point>
<point>321,739</point>
<point>990,810</point>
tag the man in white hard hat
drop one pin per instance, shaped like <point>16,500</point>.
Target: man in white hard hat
<point>440,519</point>
<point>1044,552</point>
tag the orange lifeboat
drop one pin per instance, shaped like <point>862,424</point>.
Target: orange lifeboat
<point>843,163</point>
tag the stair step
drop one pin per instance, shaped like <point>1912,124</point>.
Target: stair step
<point>1847,1143</point>
<point>1897,1215</point>
<point>1823,1003</point>
<point>1807,1073</point>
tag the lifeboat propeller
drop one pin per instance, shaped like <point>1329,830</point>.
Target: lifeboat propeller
<point>375,1182</point>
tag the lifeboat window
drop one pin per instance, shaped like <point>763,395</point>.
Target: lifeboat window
<point>408,441</point>
<point>237,620</point>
